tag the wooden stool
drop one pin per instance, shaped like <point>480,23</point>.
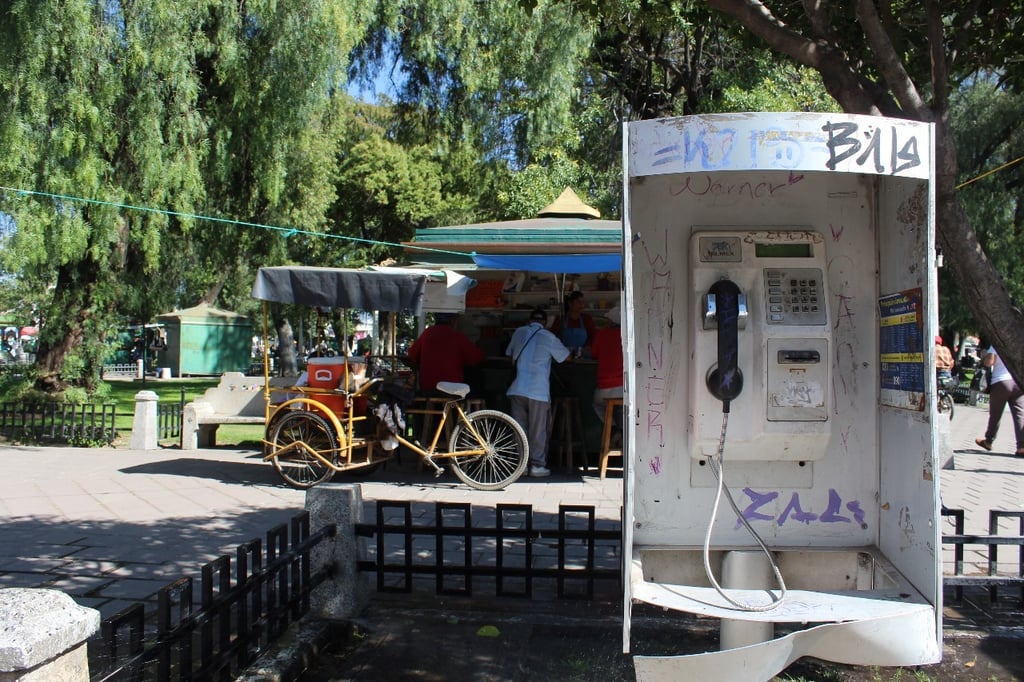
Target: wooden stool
<point>567,430</point>
<point>610,405</point>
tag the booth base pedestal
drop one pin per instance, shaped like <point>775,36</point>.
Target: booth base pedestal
<point>879,619</point>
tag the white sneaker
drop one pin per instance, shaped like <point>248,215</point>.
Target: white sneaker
<point>539,472</point>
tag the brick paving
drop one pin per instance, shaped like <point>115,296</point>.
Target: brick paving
<point>111,526</point>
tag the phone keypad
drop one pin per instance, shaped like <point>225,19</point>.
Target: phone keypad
<point>794,296</point>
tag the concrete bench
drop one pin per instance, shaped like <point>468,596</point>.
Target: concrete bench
<point>237,399</point>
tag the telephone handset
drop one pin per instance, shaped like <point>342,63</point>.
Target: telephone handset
<point>725,307</point>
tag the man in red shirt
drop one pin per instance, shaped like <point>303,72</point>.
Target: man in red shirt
<point>606,348</point>
<point>442,353</point>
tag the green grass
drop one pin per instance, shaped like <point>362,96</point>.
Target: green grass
<point>123,393</point>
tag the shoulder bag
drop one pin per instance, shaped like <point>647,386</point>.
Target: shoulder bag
<point>515,361</point>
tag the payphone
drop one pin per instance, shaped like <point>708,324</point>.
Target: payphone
<point>762,343</point>
<point>773,263</point>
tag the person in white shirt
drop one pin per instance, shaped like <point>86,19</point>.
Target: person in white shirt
<point>1003,390</point>
<point>532,349</point>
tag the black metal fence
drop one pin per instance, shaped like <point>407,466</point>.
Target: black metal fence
<point>987,546</point>
<point>169,418</point>
<point>85,424</point>
<point>509,547</point>
<point>235,620</point>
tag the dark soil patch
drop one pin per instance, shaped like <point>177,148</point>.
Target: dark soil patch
<point>583,642</point>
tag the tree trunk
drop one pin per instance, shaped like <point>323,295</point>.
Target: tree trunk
<point>287,360</point>
<point>73,302</point>
<point>1001,322</point>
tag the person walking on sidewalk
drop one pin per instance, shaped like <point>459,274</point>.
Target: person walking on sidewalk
<point>944,363</point>
<point>1002,390</point>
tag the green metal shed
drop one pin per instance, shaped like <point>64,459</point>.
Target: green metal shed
<point>206,341</point>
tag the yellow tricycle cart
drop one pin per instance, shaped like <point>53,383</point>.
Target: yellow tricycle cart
<point>348,417</point>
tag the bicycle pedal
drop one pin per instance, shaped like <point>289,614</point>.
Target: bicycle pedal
<point>437,469</point>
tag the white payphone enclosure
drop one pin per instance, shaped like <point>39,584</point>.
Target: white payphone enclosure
<point>780,299</point>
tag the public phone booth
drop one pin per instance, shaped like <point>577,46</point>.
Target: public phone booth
<point>781,472</point>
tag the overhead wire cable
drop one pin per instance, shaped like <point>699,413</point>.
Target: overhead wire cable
<point>287,231</point>
<point>988,173</point>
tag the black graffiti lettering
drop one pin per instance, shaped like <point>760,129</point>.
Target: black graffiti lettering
<point>909,154</point>
<point>874,149</point>
<point>837,142</point>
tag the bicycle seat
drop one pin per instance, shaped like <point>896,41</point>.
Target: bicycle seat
<point>453,388</point>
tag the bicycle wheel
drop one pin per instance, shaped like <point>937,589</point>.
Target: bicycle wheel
<point>946,404</point>
<point>506,450</point>
<point>298,467</point>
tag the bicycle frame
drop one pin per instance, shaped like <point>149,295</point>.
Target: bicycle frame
<point>344,451</point>
<point>430,451</point>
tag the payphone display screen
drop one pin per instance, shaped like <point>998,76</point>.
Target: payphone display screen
<point>762,250</point>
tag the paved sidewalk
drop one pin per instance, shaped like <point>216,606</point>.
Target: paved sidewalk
<point>975,480</point>
<point>111,527</point>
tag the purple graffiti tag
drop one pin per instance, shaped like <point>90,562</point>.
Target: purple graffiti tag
<point>831,513</point>
<point>705,185</point>
<point>837,232</point>
<point>798,514</point>
<point>657,257</point>
<point>759,500</point>
<point>662,280</point>
<point>654,425</point>
<point>655,391</point>
<point>843,312</point>
<point>858,513</point>
<point>844,435</point>
<point>656,354</point>
<point>656,466</point>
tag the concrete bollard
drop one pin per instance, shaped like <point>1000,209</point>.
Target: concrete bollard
<point>144,426</point>
<point>43,636</point>
<point>347,593</point>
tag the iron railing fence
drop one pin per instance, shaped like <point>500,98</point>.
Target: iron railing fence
<point>509,547</point>
<point>85,424</point>
<point>986,547</point>
<point>234,623</point>
<point>169,417</point>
